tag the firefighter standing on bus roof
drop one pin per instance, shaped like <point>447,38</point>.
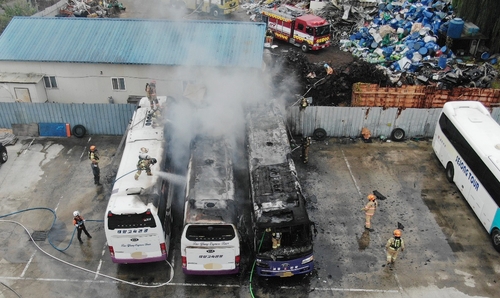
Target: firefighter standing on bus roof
<point>370,211</point>
<point>393,246</point>
<point>94,164</point>
<point>151,94</point>
<point>79,223</point>
<point>144,164</point>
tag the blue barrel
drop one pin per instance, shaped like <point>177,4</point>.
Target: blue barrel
<point>455,28</point>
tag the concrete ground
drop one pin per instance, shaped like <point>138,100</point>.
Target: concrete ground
<point>448,253</point>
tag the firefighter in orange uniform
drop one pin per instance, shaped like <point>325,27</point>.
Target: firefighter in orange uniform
<point>370,211</point>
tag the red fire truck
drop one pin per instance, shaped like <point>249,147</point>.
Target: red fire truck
<point>296,26</point>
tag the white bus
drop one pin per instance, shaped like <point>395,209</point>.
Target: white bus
<point>210,243</point>
<point>467,143</point>
<point>138,218</point>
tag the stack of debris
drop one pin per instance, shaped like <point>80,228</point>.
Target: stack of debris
<point>394,43</point>
<point>7,138</point>
<point>407,38</point>
<point>327,86</point>
<point>91,9</point>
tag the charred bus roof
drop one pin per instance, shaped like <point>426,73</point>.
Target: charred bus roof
<point>210,186</point>
<point>276,193</point>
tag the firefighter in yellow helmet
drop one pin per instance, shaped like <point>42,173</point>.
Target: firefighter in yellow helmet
<point>144,164</point>
<point>94,164</point>
<point>370,211</point>
<point>393,246</point>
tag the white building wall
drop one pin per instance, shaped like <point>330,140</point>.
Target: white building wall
<point>91,83</point>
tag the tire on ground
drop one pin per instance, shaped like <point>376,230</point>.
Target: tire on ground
<point>319,134</point>
<point>398,135</point>
<point>79,131</point>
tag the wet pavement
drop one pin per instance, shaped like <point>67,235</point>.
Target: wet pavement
<point>448,254</point>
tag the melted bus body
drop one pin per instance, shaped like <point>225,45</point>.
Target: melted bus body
<point>210,243</point>
<point>138,218</point>
<point>467,143</point>
<point>282,230</point>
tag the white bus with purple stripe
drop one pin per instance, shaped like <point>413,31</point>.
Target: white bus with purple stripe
<point>138,217</point>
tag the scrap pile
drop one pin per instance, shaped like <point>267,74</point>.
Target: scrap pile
<point>394,43</point>
<point>91,9</point>
<point>409,38</point>
<point>327,86</point>
<point>7,138</point>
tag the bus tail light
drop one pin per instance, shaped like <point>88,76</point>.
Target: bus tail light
<point>237,261</point>
<point>163,248</point>
<point>111,251</point>
<point>184,262</point>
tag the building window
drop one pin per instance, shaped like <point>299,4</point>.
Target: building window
<point>50,82</point>
<point>118,83</point>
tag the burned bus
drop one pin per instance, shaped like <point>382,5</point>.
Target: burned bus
<point>282,231</point>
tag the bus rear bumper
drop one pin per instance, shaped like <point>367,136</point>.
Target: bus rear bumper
<point>211,272</point>
<point>138,261</point>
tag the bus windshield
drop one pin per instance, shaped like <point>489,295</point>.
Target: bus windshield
<point>292,240</point>
<point>210,233</point>
<point>130,221</point>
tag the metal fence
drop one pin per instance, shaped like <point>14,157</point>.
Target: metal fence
<point>98,119</point>
<point>112,119</point>
<point>348,121</point>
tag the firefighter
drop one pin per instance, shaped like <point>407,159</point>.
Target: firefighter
<point>393,246</point>
<point>269,37</point>
<point>276,240</point>
<point>306,142</point>
<point>79,223</point>
<point>94,164</point>
<point>370,211</point>
<point>151,94</point>
<point>144,164</point>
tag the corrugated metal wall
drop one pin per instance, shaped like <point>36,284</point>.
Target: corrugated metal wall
<point>112,119</point>
<point>98,119</point>
<point>348,121</point>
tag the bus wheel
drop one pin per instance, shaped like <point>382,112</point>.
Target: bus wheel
<point>450,172</point>
<point>319,134</point>
<point>304,48</point>
<point>495,239</point>
<point>397,134</point>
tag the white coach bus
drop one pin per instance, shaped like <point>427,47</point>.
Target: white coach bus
<point>138,217</point>
<point>210,244</point>
<point>467,143</point>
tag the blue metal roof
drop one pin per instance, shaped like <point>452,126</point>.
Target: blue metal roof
<point>133,41</point>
